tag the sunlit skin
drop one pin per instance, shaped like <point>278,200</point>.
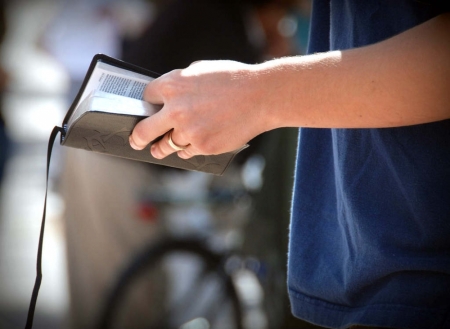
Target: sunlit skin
<point>218,106</point>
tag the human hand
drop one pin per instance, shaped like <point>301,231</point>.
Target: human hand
<point>211,107</point>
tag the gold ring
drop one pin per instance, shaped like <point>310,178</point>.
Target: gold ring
<point>175,146</point>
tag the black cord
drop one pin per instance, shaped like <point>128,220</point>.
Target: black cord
<point>38,281</point>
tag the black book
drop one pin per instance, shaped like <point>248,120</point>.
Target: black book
<point>108,106</point>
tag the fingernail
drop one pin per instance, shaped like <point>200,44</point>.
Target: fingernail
<point>134,146</point>
<point>155,152</point>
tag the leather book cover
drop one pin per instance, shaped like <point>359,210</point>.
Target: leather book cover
<point>108,133</point>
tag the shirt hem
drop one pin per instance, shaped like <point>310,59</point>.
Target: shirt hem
<point>331,315</point>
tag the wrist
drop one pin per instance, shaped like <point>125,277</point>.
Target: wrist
<point>274,87</point>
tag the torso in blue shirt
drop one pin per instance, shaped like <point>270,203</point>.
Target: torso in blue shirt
<point>370,229</point>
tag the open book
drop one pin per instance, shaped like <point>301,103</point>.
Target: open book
<point>108,106</point>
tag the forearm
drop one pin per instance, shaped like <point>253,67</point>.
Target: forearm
<point>401,81</point>
<point>214,107</point>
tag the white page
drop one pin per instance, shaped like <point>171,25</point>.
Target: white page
<point>120,89</point>
<point>115,80</point>
<point>111,103</point>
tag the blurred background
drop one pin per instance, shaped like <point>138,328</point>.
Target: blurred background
<point>102,211</point>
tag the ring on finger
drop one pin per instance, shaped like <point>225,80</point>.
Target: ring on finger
<point>173,145</point>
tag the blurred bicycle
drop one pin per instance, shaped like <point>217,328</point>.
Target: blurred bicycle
<point>194,276</point>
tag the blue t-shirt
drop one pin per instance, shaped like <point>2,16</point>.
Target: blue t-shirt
<point>370,227</point>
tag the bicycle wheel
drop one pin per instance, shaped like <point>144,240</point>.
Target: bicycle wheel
<point>185,286</point>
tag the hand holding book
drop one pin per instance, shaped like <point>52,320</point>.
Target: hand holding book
<point>199,111</point>
<point>109,105</point>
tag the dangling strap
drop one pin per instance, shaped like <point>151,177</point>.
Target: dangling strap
<point>37,283</point>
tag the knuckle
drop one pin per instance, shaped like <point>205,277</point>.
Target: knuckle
<point>170,85</point>
<point>168,89</point>
<point>164,87</point>
<point>205,147</point>
<point>177,114</point>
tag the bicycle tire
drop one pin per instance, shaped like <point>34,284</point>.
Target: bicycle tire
<point>153,255</point>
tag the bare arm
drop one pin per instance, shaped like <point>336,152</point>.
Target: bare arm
<point>402,81</point>
<point>218,106</point>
